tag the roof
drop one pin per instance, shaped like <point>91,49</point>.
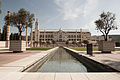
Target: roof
<point>65,30</point>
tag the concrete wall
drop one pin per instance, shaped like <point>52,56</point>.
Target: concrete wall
<point>106,46</point>
<point>3,44</point>
<point>17,45</point>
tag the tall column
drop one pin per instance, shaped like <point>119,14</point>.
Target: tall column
<point>31,37</point>
<point>8,29</point>
<point>37,32</point>
<point>26,36</point>
<point>38,35</point>
<point>76,35</point>
<point>81,35</point>
<point>44,35</point>
<point>8,26</point>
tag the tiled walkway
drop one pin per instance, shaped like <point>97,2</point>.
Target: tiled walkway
<point>58,76</point>
<point>8,56</point>
<point>11,69</point>
<point>111,59</point>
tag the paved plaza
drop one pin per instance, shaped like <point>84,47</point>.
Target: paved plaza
<point>8,56</point>
<point>11,65</point>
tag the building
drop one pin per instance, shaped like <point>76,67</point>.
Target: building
<point>64,35</point>
<point>116,39</point>
<point>97,38</point>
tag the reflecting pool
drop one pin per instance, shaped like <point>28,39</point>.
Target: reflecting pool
<point>62,61</point>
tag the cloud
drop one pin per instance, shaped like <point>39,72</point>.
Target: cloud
<point>90,6</point>
<point>91,26</point>
<point>71,9</point>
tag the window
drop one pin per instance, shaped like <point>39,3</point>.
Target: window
<point>60,36</point>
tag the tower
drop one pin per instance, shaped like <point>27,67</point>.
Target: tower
<point>8,26</point>
<point>36,31</point>
<point>8,29</point>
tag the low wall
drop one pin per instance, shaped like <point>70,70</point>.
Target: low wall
<point>4,44</point>
<point>17,45</point>
<point>36,65</point>
<point>106,46</point>
<point>92,66</point>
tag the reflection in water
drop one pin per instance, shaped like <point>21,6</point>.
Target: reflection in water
<point>62,62</point>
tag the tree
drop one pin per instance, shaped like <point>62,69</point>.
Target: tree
<point>85,41</point>
<point>48,42</point>
<point>53,42</point>
<point>29,23</point>
<point>14,36</point>
<point>106,23</point>
<point>20,19</point>
<point>67,42</point>
<point>79,42</point>
<point>4,33</point>
<point>73,42</point>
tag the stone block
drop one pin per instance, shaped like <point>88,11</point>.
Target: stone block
<point>17,45</point>
<point>106,46</point>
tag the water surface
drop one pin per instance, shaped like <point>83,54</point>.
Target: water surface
<point>62,62</point>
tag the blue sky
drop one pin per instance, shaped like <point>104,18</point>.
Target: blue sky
<point>65,14</point>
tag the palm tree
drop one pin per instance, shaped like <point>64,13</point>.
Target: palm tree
<point>29,23</point>
<point>20,19</point>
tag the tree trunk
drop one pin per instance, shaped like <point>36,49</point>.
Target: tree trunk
<point>19,33</point>
<point>106,37</point>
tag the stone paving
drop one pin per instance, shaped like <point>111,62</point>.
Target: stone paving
<point>11,70</point>
<point>8,56</point>
<point>58,76</point>
<point>111,59</point>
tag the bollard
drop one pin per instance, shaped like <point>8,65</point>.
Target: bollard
<point>90,49</point>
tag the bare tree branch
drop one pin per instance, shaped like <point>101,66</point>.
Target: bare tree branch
<point>106,23</point>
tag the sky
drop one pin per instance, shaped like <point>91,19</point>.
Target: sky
<point>65,14</point>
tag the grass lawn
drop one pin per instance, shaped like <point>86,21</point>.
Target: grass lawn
<point>38,49</point>
<point>43,49</point>
<point>84,49</point>
<point>4,49</point>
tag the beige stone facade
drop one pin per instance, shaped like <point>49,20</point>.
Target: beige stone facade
<point>63,35</point>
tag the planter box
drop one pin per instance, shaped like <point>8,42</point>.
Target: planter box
<point>106,46</point>
<point>17,45</point>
